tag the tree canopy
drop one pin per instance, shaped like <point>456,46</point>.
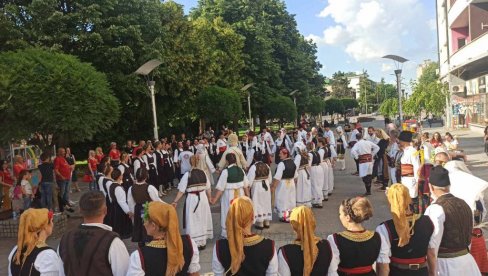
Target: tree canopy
<point>53,93</point>
<point>218,105</point>
<point>281,108</point>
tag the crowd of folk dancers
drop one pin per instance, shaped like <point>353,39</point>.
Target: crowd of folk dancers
<point>431,231</point>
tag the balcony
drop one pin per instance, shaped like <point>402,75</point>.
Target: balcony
<point>471,59</point>
<point>457,15</point>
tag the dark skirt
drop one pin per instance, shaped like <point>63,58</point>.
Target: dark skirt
<point>74,176</point>
<point>122,224</point>
<point>108,217</point>
<point>153,177</point>
<point>139,233</point>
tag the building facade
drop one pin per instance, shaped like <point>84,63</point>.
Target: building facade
<point>462,31</point>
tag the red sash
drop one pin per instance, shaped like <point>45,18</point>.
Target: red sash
<point>406,169</point>
<point>420,260</point>
<point>355,270</point>
<point>365,158</point>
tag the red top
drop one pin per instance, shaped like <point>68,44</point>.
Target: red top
<point>436,143</point>
<point>18,168</point>
<point>114,154</point>
<point>61,165</point>
<point>7,177</point>
<point>99,157</point>
<point>93,162</point>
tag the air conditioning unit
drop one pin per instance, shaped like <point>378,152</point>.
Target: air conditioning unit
<point>458,88</point>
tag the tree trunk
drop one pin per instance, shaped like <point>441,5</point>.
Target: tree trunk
<point>262,122</point>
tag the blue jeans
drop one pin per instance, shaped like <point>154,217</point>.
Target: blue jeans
<point>47,195</point>
<point>27,202</point>
<point>93,185</point>
<point>63,189</point>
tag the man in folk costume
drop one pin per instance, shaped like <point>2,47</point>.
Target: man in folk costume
<point>330,159</point>
<point>308,255</point>
<point>323,152</point>
<point>176,159</point>
<point>329,133</point>
<point>255,147</point>
<point>352,141</point>
<point>197,218</point>
<point>168,253</point>
<point>221,146</point>
<point>242,252</point>
<point>409,167</point>
<point>283,141</point>
<point>232,184</point>
<point>391,151</point>
<point>453,224</point>
<point>244,146</point>
<point>316,176</point>
<point>426,160</point>
<point>93,248</point>
<point>234,149</point>
<point>364,151</point>
<point>341,148</point>
<point>303,183</point>
<point>284,186</point>
<point>260,179</point>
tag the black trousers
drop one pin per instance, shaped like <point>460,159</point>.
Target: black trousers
<point>367,182</point>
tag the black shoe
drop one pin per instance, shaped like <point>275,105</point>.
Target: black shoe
<point>259,227</point>
<point>329,194</point>
<point>200,248</point>
<point>367,194</point>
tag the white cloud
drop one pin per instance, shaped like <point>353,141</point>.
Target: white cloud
<point>386,67</point>
<point>370,29</point>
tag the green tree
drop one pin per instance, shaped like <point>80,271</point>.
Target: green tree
<point>389,108</point>
<point>218,105</point>
<point>281,108</point>
<point>333,106</point>
<point>53,93</point>
<point>340,85</point>
<point>348,104</point>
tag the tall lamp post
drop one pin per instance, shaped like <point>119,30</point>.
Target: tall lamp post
<point>244,89</point>
<point>294,95</point>
<point>398,60</point>
<point>145,71</point>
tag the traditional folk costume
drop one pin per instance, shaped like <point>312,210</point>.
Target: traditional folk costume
<point>205,163</point>
<point>197,217</point>
<point>382,168</point>
<point>106,184</point>
<point>260,178</point>
<point>244,147</point>
<point>168,170</point>
<point>282,142</point>
<point>93,249</point>
<point>308,255</point>
<point>285,195</point>
<point>151,166</point>
<point>176,160</point>
<point>453,224</point>
<point>232,182</point>
<point>331,156</point>
<point>127,176</point>
<point>221,148</point>
<point>139,194</point>
<point>423,176</point>
<point>228,254</point>
<point>121,223</point>
<point>137,163</point>
<point>35,258</point>
<point>173,255</point>
<point>317,178</point>
<point>405,238</point>
<point>410,164</point>
<point>303,184</point>
<point>354,253</point>
<point>341,148</point>
<point>327,168</point>
<point>240,160</point>
<point>364,151</point>
<point>255,147</point>
<point>267,143</point>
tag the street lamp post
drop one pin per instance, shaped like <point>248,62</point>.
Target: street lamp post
<point>243,89</point>
<point>398,73</point>
<point>145,70</point>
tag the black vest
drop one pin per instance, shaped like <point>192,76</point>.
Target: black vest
<point>419,241</point>
<point>315,158</point>
<point>196,177</point>
<point>127,179</point>
<point>27,268</point>
<point>458,225</point>
<point>294,258</point>
<point>357,254</point>
<point>140,193</point>
<point>84,251</point>
<point>290,169</point>
<point>154,260</point>
<point>257,258</point>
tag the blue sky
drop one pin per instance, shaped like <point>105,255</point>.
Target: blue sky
<point>353,35</point>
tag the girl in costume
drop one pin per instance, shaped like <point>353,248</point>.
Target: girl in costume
<point>284,186</point>
<point>120,214</point>
<point>260,179</point>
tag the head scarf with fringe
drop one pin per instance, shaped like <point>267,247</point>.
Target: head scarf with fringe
<point>164,215</point>
<point>240,216</point>
<point>303,222</point>
<point>399,199</point>
<point>32,221</point>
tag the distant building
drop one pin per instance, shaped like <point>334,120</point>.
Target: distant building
<point>354,82</point>
<point>462,31</point>
<point>422,66</point>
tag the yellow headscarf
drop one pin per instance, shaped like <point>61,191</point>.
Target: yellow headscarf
<point>303,222</point>
<point>32,221</point>
<point>240,215</point>
<point>399,199</point>
<point>164,215</point>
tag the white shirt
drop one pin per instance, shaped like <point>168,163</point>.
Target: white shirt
<point>353,138</point>
<point>184,159</point>
<point>436,213</point>
<point>118,257</point>
<point>138,162</point>
<point>221,143</point>
<point>145,158</point>
<point>47,262</point>
<point>219,270</point>
<point>331,136</point>
<point>222,184</point>
<point>151,190</point>
<point>26,186</point>
<point>135,266</point>
<point>364,147</point>
<point>268,139</point>
<point>279,171</point>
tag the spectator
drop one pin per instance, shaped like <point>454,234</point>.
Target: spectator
<point>63,174</point>
<point>46,168</point>
<point>19,165</point>
<point>114,154</point>
<point>436,140</point>
<point>450,143</point>
<point>70,158</point>
<point>27,194</point>
<point>99,154</point>
<point>92,170</point>
<point>7,183</point>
